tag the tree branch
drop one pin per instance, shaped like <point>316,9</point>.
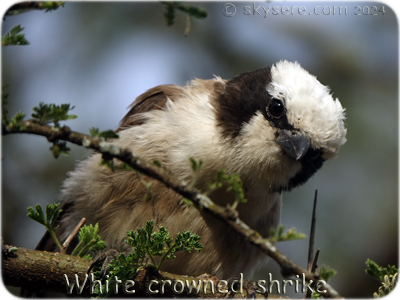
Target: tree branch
<point>40,270</point>
<point>199,200</point>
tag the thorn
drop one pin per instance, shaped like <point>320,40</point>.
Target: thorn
<point>314,265</point>
<point>312,234</point>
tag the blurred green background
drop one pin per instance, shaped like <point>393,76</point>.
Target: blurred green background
<point>100,56</point>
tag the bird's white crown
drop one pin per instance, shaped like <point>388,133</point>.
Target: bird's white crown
<point>310,106</point>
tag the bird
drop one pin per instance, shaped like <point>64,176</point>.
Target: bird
<point>274,127</point>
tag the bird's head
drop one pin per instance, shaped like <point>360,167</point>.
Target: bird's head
<point>281,122</point>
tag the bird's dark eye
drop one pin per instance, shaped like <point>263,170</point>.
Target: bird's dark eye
<point>276,108</point>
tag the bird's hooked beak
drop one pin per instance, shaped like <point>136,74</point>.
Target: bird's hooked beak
<point>294,143</point>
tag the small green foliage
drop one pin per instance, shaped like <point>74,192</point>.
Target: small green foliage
<point>127,167</point>
<point>169,12</point>
<point>52,213</point>
<point>52,5</point>
<point>124,267</point>
<point>190,10</point>
<point>186,241</point>
<point>109,163</point>
<point>107,134</point>
<point>59,148</point>
<point>235,185</point>
<point>47,113</point>
<point>187,202</point>
<point>148,243</point>
<point>14,37</point>
<point>4,101</point>
<point>387,276</point>
<point>15,122</point>
<point>280,236</point>
<point>94,131</point>
<point>196,165</point>
<point>89,241</point>
<point>326,272</point>
<point>193,11</point>
<point>315,295</point>
<point>157,163</point>
<point>379,272</point>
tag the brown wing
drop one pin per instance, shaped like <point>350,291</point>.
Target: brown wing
<point>153,99</point>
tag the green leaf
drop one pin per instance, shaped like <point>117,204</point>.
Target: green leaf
<point>188,241</point>
<point>52,213</point>
<point>191,11</point>
<point>37,215</point>
<point>127,167</point>
<point>280,236</point>
<point>59,148</point>
<point>4,102</point>
<point>14,38</point>
<point>152,243</point>
<point>47,113</point>
<point>234,183</point>
<point>196,166</point>
<point>326,272</point>
<point>147,242</point>
<point>157,163</point>
<point>94,132</point>
<point>109,163</point>
<point>108,134</point>
<point>195,12</point>
<point>169,12</point>
<point>16,121</point>
<point>379,272</point>
<point>315,295</point>
<point>89,241</point>
<point>187,202</point>
<point>52,5</point>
